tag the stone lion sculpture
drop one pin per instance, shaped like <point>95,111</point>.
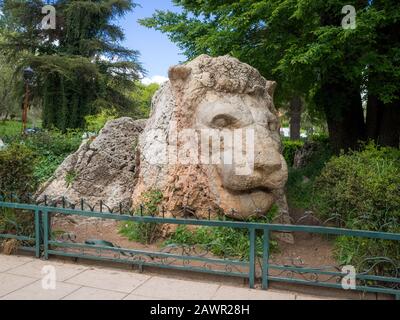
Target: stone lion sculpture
<point>211,147</point>
<point>208,108</point>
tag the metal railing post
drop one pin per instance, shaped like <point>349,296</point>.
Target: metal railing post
<point>37,233</point>
<point>46,234</point>
<point>252,262</point>
<point>265,259</point>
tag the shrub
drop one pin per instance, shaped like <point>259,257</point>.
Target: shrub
<point>146,233</point>
<point>300,185</point>
<point>51,149</point>
<point>289,150</point>
<point>222,241</point>
<point>16,170</point>
<point>361,190</point>
<point>94,123</point>
<point>16,178</point>
<point>9,128</point>
<point>54,143</point>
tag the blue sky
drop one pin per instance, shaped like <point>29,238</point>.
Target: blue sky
<point>157,51</point>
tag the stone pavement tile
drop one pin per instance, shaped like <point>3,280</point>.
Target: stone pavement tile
<point>34,269</point>
<point>133,296</point>
<point>86,293</point>
<point>10,283</point>
<point>162,288</point>
<point>233,293</point>
<point>304,297</point>
<point>35,291</point>
<point>106,279</point>
<point>8,262</point>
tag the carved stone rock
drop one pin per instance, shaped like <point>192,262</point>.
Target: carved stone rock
<point>102,169</point>
<point>225,96</point>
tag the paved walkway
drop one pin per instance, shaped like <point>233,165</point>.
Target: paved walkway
<point>21,278</point>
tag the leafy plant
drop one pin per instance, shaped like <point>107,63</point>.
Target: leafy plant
<point>300,185</point>
<point>94,123</point>
<point>70,178</point>
<point>146,233</point>
<point>289,150</point>
<point>361,190</point>
<point>222,241</point>
<point>16,169</point>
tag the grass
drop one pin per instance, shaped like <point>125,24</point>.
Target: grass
<point>10,128</point>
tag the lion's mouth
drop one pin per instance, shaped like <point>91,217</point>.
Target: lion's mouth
<point>250,191</point>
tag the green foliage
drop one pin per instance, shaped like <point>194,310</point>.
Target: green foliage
<point>48,148</point>
<point>221,241</point>
<point>289,150</point>
<point>54,142</point>
<point>362,187</point>
<point>16,170</point>
<point>94,123</point>
<point>301,44</point>
<point>300,185</point>
<point>146,233</point>
<point>86,71</point>
<point>70,178</point>
<point>143,95</point>
<point>361,191</point>
<point>10,128</point>
<point>8,100</point>
<point>16,222</point>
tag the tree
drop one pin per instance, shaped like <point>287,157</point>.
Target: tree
<point>81,67</point>
<point>143,95</point>
<point>302,45</point>
<point>8,101</point>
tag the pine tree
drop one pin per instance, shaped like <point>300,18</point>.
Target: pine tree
<point>80,66</point>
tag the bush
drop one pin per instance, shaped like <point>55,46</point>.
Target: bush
<point>362,187</point>
<point>54,143</point>
<point>94,123</point>
<point>146,233</point>
<point>17,179</point>
<point>9,128</point>
<point>51,149</point>
<point>361,190</point>
<point>222,241</point>
<point>300,185</point>
<point>16,170</point>
<point>289,150</point>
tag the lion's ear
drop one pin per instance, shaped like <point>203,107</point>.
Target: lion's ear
<point>271,86</point>
<point>180,72</point>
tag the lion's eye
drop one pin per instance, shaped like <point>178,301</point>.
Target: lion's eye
<point>224,121</point>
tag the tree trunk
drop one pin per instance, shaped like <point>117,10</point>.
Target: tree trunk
<point>295,118</point>
<point>389,128</point>
<point>383,122</point>
<point>373,116</point>
<point>344,113</point>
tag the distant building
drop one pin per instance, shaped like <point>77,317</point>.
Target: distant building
<point>285,132</point>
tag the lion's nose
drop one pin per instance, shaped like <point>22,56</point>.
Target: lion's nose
<point>267,158</point>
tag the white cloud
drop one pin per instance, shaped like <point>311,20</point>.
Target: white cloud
<point>154,79</point>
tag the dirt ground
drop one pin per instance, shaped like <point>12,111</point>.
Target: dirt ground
<point>308,250</point>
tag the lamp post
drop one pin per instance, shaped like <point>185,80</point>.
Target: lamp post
<point>28,77</point>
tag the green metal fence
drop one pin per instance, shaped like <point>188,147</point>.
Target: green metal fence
<point>188,258</point>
